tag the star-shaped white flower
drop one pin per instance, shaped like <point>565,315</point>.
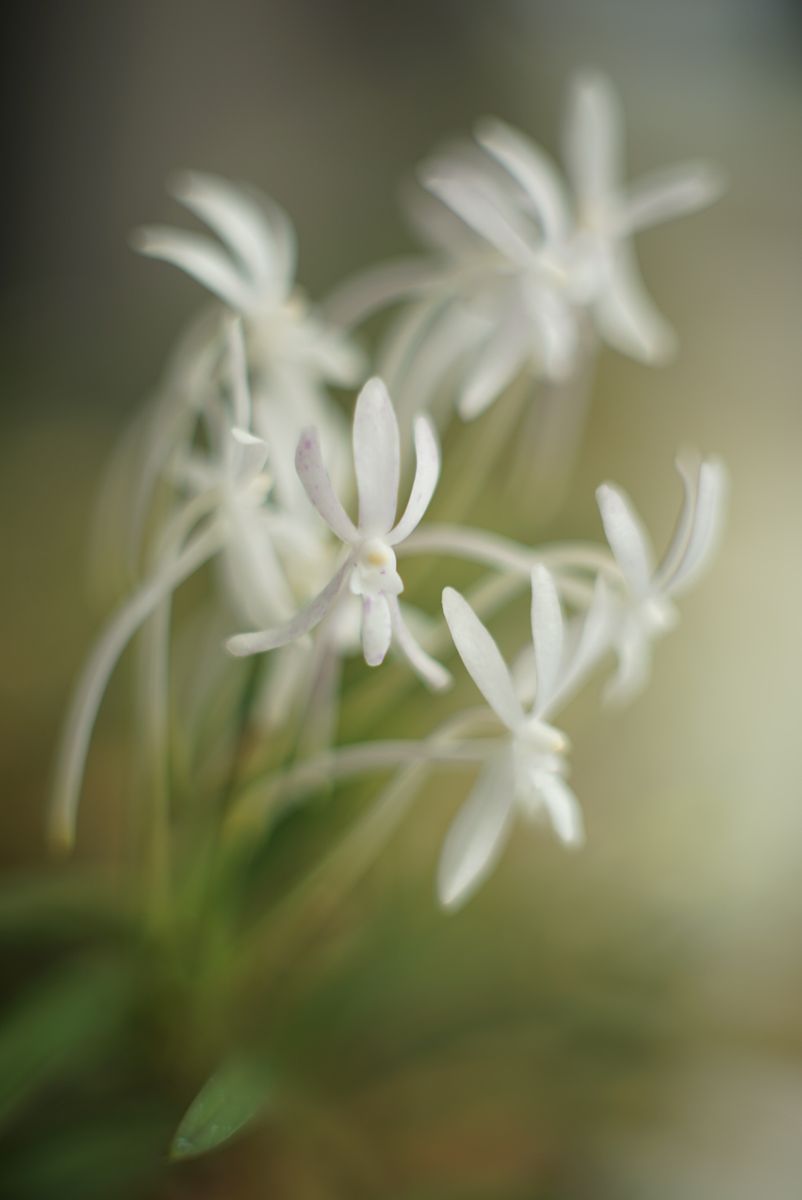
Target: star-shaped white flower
<point>646,610</point>
<point>252,270</point>
<point>529,264</point>
<point>588,229</point>
<point>370,565</point>
<point>526,776</point>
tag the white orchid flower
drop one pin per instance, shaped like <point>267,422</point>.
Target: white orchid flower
<point>647,610</point>
<point>526,260</point>
<point>588,234</point>
<point>252,270</point>
<point>526,776</point>
<point>370,565</point>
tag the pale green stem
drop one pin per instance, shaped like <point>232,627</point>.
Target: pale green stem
<point>348,762</point>
<point>92,682</point>
<point>340,870</point>
<point>491,550</point>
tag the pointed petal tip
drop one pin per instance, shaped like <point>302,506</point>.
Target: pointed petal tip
<point>141,239</point>
<point>449,898</point>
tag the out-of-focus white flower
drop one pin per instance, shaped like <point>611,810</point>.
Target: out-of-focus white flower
<point>525,260</point>
<point>293,353</point>
<point>252,270</point>
<point>526,776</point>
<point>646,610</point>
<point>370,565</point>
<point>597,255</point>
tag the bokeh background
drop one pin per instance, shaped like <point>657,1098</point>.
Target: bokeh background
<point>623,1023</point>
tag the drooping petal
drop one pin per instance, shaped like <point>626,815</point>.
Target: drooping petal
<point>688,467</point>
<point>625,314</point>
<point>200,258</point>
<point>562,806</point>
<point>497,365</point>
<point>433,674</point>
<point>427,472</point>
<point>705,529</point>
<point>377,458</point>
<point>482,658</point>
<point>399,346</point>
<point>318,487</point>
<point>377,629</point>
<point>534,170</point>
<point>627,536</point>
<point>478,834</point>
<point>669,193</point>
<point>244,644</point>
<point>255,229</point>
<point>547,636</point>
<point>105,654</point>
<point>593,142</point>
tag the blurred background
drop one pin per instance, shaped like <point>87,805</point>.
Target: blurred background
<point>622,1023</point>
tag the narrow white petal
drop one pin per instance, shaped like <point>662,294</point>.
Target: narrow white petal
<point>433,674</point>
<point>379,287</point>
<point>377,629</point>
<point>669,193</point>
<point>318,487</point>
<point>593,144</point>
<point>705,530</point>
<point>547,636</point>
<point>482,215</point>
<point>534,170</point>
<point>427,473</point>
<point>634,669</point>
<point>377,458</point>
<point>627,536</point>
<point>240,390</point>
<point>624,312</point>
<point>592,639</point>
<point>200,258</point>
<point>438,226</point>
<point>497,365</point>
<point>478,834</point>
<point>255,229</point>
<point>563,808</point>
<point>243,644</point>
<point>482,658</point>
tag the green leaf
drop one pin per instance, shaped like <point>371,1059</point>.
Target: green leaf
<point>59,1025</point>
<point>233,1097</point>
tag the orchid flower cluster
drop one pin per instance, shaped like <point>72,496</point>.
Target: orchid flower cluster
<point>243,461</point>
